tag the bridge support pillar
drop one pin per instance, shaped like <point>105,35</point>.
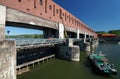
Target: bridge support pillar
<point>89,37</point>
<point>78,34</point>
<point>87,47</point>
<point>61,31</point>
<point>85,37</point>
<point>7,59</point>
<point>69,51</point>
<point>2,21</point>
<point>93,45</point>
<point>97,42</point>
<point>74,52</point>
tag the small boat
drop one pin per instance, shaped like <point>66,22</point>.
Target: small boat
<point>101,64</point>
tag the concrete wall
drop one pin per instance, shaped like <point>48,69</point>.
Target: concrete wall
<point>2,21</point>
<point>7,59</point>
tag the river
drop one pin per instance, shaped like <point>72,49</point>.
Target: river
<point>64,69</point>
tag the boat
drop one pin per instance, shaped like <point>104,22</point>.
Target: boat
<point>101,64</point>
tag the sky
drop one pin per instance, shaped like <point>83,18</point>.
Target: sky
<point>100,15</point>
<point>21,31</point>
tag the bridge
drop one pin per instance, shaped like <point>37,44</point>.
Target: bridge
<point>55,22</point>
<point>43,15</point>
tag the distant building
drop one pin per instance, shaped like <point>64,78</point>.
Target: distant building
<point>108,37</point>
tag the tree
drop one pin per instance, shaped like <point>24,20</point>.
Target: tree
<point>101,32</point>
<point>117,32</point>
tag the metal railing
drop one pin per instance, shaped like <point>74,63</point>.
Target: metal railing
<point>27,42</point>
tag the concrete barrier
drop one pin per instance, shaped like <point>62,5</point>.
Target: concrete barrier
<point>7,59</point>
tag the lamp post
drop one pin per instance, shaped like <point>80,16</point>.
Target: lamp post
<point>8,33</point>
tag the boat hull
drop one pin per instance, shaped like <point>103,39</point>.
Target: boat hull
<point>98,70</point>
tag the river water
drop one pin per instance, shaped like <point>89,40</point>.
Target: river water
<point>64,69</point>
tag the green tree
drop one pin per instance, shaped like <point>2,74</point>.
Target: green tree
<point>117,32</point>
<point>101,32</point>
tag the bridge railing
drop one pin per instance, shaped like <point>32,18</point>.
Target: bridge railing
<point>27,42</point>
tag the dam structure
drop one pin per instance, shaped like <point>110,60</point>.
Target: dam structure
<point>69,34</point>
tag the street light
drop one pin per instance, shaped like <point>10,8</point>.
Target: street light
<point>8,33</point>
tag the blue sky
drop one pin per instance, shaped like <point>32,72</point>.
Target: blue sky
<point>100,15</point>
<point>21,31</point>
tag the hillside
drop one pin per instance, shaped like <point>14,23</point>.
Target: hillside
<point>26,36</point>
<point>117,32</point>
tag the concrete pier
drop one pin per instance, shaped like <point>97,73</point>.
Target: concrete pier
<point>94,44</point>
<point>68,51</point>
<point>87,46</point>
<point>81,45</point>
<point>7,59</point>
<point>2,21</point>
<point>75,53</point>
